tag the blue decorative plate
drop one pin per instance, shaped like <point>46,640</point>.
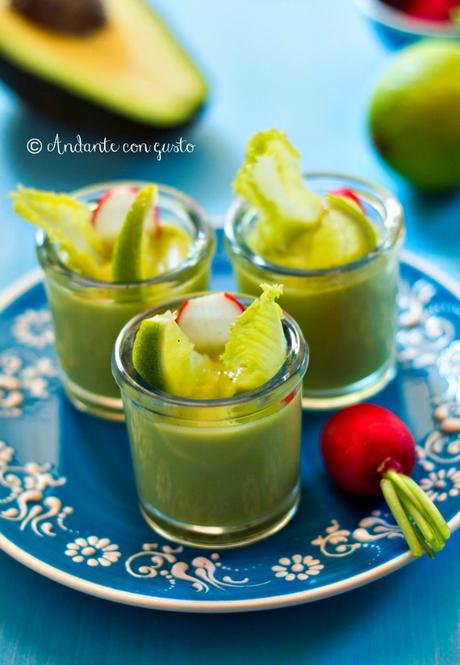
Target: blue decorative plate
<point>68,505</point>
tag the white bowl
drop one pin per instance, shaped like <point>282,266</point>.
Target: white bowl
<point>402,29</point>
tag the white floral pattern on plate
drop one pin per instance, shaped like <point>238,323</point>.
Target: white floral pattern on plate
<point>163,561</point>
<point>427,342</point>
<point>422,334</point>
<point>94,551</point>
<point>298,567</point>
<point>376,527</point>
<point>22,379</point>
<point>442,484</point>
<point>33,328</point>
<point>26,498</point>
<point>335,542</point>
<point>338,542</point>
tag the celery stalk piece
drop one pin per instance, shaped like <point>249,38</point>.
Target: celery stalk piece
<point>67,222</point>
<point>256,348</point>
<point>271,180</point>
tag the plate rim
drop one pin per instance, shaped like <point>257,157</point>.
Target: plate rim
<point>31,279</point>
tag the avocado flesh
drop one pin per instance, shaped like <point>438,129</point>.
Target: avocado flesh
<point>132,67</point>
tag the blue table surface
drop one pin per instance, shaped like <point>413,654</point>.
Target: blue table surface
<point>307,67</point>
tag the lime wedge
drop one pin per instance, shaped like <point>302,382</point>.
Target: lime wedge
<point>271,180</point>
<point>346,205</point>
<point>165,357</point>
<point>344,235</point>
<point>68,225</point>
<point>127,261</point>
<point>256,348</point>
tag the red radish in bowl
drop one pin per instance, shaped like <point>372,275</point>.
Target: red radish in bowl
<point>367,450</point>
<point>112,209</point>
<point>207,320</point>
<point>349,194</point>
<point>428,10</point>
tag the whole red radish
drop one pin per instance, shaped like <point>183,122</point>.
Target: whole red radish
<point>361,442</point>
<point>368,450</point>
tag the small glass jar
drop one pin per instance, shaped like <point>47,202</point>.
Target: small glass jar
<point>347,313</point>
<point>215,473</point>
<point>88,314</point>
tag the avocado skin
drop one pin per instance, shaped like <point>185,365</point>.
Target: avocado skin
<point>53,100</point>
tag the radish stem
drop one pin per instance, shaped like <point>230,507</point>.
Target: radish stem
<point>440,539</point>
<point>425,506</point>
<point>403,522</point>
<point>398,481</point>
<point>417,517</point>
<point>414,508</point>
<point>430,508</point>
<point>427,532</point>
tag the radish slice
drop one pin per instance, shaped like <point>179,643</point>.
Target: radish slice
<point>349,194</point>
<point>207,320</point>
<point>112,210</point>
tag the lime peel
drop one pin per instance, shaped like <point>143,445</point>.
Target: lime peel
<point>127,260</point>
<point>365,237</point>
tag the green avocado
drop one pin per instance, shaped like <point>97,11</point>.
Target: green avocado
<point>128,74</point>
<point>415,114</point>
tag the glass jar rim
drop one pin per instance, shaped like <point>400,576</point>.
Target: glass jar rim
<point>205,237</point>
<point>296,362</point>
<point>391,205</point>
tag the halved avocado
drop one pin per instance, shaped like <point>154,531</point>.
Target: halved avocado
<point>130,74</point>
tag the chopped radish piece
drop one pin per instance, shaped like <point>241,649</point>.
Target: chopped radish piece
<point>289,397</point>
<point>207,320</point>
<point>112,210</point>
<point>349,194</point>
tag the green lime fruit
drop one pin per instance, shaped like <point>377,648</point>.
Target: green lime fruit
<point>415,114</point>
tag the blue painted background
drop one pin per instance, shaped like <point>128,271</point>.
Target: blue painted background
<point>306,66</point>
